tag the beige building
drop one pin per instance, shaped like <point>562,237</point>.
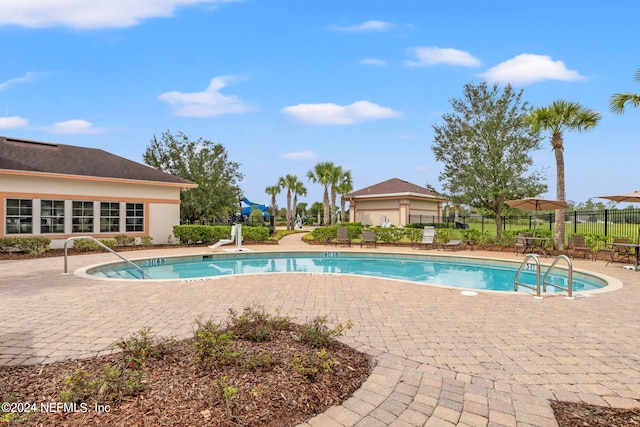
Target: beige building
<point>394,202</point>
<point>60,191</point>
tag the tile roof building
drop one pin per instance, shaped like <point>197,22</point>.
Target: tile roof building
<point>61,191</point>
<point>394,202</point>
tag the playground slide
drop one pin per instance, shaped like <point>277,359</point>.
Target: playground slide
<point>246,211</point>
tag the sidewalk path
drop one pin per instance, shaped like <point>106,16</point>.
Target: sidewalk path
<point>443,359</point>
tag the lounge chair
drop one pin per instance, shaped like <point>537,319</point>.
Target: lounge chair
<point>577,246</point>
<point>454,245</point>
<point>368,238</point>
<point>428,235</point>
<point>343,236</point>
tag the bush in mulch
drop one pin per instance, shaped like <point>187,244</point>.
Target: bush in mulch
<point>216,378</point>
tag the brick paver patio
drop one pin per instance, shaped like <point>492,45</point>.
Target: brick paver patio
<point>443,358</point>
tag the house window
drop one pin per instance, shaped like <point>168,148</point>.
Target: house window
<point>135,217</point>
<point>82,217</point>
<point>52,216</point>
<point>19,216</point>
<point>109,217</point>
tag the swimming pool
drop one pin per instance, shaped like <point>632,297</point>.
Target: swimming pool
<point>458,272</point>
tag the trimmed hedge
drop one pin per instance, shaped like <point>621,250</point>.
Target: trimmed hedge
<point>86,245</point>
<point>30,245</point>
<point>209,234</point>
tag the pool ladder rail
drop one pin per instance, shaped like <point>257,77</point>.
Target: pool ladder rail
<point>525,266</point>
<point>137,267</point>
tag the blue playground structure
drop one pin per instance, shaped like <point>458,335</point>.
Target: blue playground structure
<point>246,211</point>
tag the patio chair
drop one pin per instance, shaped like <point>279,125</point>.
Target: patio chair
<point>454,245</point>
<point>615,253</point>
<point>368,238</point>
<point>522,244</point>
<point>343,236</point>
<point>428,236</point>
<point>577,246</point>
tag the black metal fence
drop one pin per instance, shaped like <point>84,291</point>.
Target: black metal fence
<point>608,222</point>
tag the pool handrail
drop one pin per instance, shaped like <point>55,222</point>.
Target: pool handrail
<point>525,262</point>
<point>137,267</point>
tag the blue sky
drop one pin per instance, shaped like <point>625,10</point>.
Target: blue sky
<point>286,84</point>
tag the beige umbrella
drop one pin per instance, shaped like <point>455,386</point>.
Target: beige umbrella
<point>633,197</point>
<point>536,204</point>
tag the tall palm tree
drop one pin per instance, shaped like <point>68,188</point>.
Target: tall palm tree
<point>559,117</point>
<point>620,100</point>
<point>289,182</point>
<point>298,190</point>
<point>321,174</point>
<point>344,187</point>
<point>273,191</point>
<point>335,176</point>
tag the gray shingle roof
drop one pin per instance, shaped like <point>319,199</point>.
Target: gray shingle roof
<point>393,186</point>
<point>42,157</point>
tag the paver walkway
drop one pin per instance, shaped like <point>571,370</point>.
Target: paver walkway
<point>443,358</point>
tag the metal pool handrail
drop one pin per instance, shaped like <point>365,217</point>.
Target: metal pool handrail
<point>137,267</point>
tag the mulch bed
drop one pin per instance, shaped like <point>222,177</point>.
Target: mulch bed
<point>569,414</point>
<point>179,392</point>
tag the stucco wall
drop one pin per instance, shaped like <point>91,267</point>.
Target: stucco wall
<point>161,202</point>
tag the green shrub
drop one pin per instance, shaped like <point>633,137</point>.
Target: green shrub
<point>316,333</point>
<point>208,234</point>
<point>260,360</point>
<point>255,324</point>
<point>146,240</point>
<point>389,234</point>
<point>213,345</point>
<point>86,245</point>
<point>308,365</point>
<point>124,240</point>
<point>31,245</point>
<point>140,346</point>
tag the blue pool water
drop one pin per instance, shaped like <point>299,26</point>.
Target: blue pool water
<point>468,273</point>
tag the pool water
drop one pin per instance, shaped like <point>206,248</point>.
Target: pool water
<point>459,272</point>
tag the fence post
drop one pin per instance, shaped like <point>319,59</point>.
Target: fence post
<point>606,221</point>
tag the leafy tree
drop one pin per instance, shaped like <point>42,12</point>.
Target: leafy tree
<point>484,145</point>
<point>344,187</point>
<point>273,191</point>
<point>322,174</point>
<point>620,100</point>
<point>203,162</point>
<point>559,117</point>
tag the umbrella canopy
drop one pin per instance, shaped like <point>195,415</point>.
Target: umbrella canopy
<point>536,204</point>
<point>632,197</point>
<point>625,197</point>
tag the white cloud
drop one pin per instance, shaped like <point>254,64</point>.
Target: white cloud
<point>74,127</point>
<point>12,122</point>
<point>372,61</point>
<point>81,14</point>
<point>208,103</point>
<point>300,155</point>
<point>528,68</point>
<point>428,56</point>
<point>27,77</point>
<point>333,114</point>
<point>365,26</point>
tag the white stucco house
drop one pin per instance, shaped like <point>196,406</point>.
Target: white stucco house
<point>394,202</point>
<point>60,191</point>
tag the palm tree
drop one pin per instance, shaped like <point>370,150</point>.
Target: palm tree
<point>290,182</point>
<point>335,176</point>
<point>620,100</point>
<point>562,116</point>
<point>321,174</point>
<point>273,191</point>
<point>298,190</point>
<point>344,187</point>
